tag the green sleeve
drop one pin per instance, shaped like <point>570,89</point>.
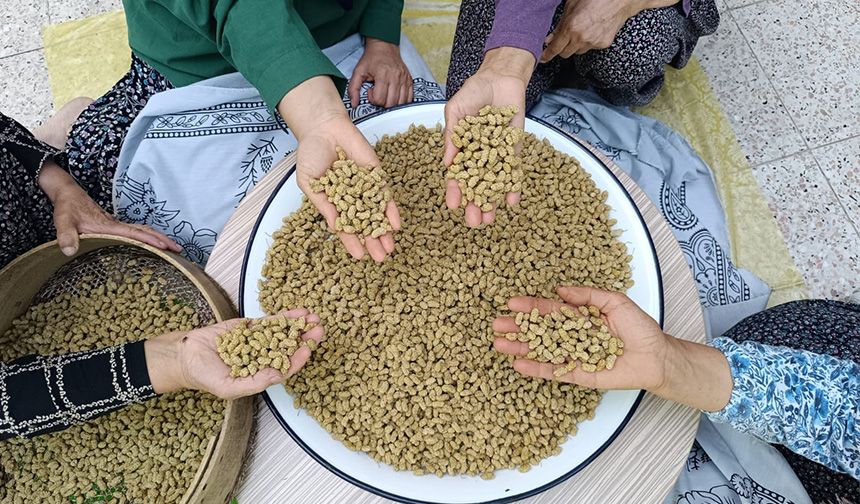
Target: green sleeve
<point>267,42</point>
<point>381,20</point>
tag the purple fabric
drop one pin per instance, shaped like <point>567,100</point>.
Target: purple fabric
<point>525,24</point>
<point>521,23</point>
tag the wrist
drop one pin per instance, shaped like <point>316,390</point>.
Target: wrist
<point>695,375</point>
<point>53,180</point>
<point>373,44</point>
<point>509,62</point>
<point>163,363</point>
<point>311,104</point>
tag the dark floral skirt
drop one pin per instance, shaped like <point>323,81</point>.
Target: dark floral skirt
<point>96,138</point>
<point>628,73</point>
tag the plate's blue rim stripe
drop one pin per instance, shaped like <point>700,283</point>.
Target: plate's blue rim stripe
<point>325,463</point>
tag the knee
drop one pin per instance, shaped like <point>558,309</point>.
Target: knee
<point>643,46</point>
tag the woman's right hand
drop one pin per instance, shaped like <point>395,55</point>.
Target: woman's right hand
<point>316,115</point>
<point>76,213</point>
<point>501,81</point>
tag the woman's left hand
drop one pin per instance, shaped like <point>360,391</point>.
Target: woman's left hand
<point>76,213</point>
<point>381,64</point>
<point>592,24</point>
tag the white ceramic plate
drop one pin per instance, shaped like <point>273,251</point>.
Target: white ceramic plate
<point>593,436</point>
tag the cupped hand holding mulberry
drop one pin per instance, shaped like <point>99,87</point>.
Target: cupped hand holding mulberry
<point>315,113</point>
<point>681,371</point>
<point>190,360</point>
<point>500,81</point>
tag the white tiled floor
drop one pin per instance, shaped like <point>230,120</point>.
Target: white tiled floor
<point>787,73</point>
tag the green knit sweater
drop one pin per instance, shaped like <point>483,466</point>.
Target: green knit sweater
<point>275,44</point>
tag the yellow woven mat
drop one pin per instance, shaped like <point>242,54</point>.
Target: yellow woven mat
<point>86,57</point>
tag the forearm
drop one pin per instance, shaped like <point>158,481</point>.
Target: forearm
<point>278,54</point>
<point>53,180</point>
<point>805,401</point>
<point>695,375</point>
<point>48,394</point>
<point>162,363</point>
<point>381,20</point>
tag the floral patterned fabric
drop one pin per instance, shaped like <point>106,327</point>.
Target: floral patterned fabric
<point>805,401</point>
<point>96,137</point>
<point>26,214</point>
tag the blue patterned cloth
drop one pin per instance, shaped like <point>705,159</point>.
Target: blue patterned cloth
<point>805,401</point>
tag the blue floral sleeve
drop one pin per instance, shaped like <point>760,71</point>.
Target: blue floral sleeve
<point>805,401</point>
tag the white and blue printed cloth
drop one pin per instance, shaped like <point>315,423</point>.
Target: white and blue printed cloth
<point>725,466</point>
<point>679,183</point>
<point>194,152</point>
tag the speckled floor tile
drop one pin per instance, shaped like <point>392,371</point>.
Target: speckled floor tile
<point>761,123</point>
<point>67,10</point>
<point>26,97</point>
<point>818,233</point>
<point>20,26</point>
<point>734,4</point>
<point>840,163</point>
<point>809,50</point>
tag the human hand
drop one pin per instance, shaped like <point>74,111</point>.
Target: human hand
<point>500,81</point>
<point>645,345</point>
<point>190,360</point>
<point>688,373</point>
<point>76,213</point>
<point>592,24</point>
<point>382,65</point>
<point>317,117</point>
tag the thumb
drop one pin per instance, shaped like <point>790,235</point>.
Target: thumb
<point>357,148</point>
<point>254,384</point>
<point>67,233</point>
<point>452,117</point>
<point>583,296</point>
<point>270,377</point>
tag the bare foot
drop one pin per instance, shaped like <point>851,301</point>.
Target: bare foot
<point>55,131</point>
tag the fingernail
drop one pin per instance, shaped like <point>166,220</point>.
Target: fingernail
<point>69,250</point>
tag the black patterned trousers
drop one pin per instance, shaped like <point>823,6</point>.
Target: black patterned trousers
<point>627,73</point>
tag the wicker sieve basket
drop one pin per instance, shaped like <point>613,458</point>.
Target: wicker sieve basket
<point>44,272</point>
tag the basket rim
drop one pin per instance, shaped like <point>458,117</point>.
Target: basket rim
<point>222,309</point>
